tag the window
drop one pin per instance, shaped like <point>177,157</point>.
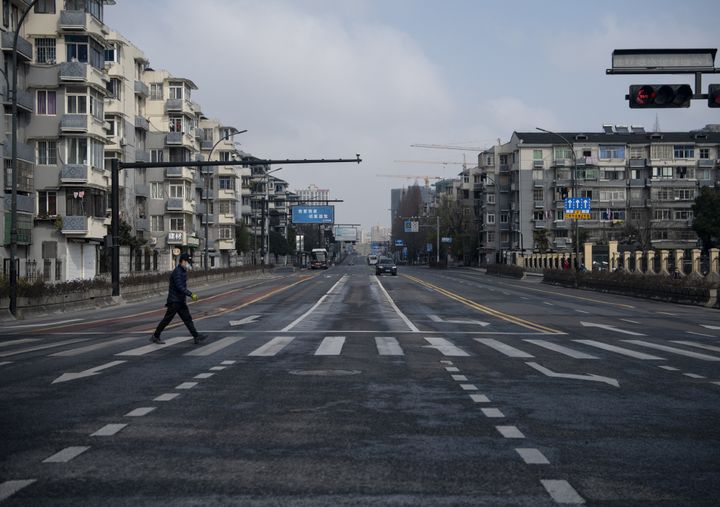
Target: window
<point>683,173</point>
<point>225,156</point>
<point>491,198</point>
<point>93,7</point>
<point>157,156</point>
<point>660,234</point>
<point>112,52</point>
<point>6,13</point>
<point>97,105</point>
<point>559,215</point>
<point>704,153</point>
<point>612,195</point>
<point>176,124</point>
<point>563,153</point>
<point>47,203</point>
<point>537,155</point>
<point>586,193</point>
<point>45,50</point>
<point>538,215</point>
<point>76,104</point>
<point>157,223</point>
<point>227,183</point>
<point>504,217</point>
<point>613,214</point>
<point>177,224</point>
<point>684,151</point>
<point>225,233</point>
<point>225,207</point>
<point>97,154</point>
<point>176,191</point>
<point>684,194</point>
<point>538,175</point>
<point>176,91</point>
<point>538,194</point>
<point>156,91</point>
<point>661,151</point>
<point>608,152</point>
<point>662,173</point>
<point>46,102</point>
<point>47,152</point>
<point>114,88</point>
<point>637,152</point>
<point>635,215</point>
<point>490,218</point>
<point>45,7</point>
<point>77,150</point>
<point>682,214</point>
<point>702,173</point>
<point>612,173</point>
<point>491,236</point>
<point>156,190</point>
<point>661,214</point>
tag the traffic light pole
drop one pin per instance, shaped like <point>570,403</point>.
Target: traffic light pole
<point>117,166</point>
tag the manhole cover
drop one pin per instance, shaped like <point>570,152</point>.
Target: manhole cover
<point>325,373</point>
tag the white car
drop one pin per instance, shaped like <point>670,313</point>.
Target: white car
<point>372,260</point>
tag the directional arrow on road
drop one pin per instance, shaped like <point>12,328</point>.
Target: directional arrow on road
<point>65,377</point>
<point>610,328</point>
<point>589,376</point>
<point>246,320</point>
<point>435,318</point>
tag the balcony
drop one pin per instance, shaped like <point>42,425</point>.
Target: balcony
<point>540,224</point>
<point>141,123</point>
<point>142,190</point>
<point>179,106</point>
<point>504,188</point>
<point>141,89</point>
<point>24,101</point>
<point>74,174</point>
<point>25,151</point>
<point>80,21</point>
<point>246,209</point>
<point>25,203</point>
<point>78,72</point>
<point>226,170</point>
<point>226,244</point>
<point>179,139</point>
<point>207,219</point>
<point>25,50</point>
<point>226,219</point>
<point>703,162</point>
<point>504,168</point>
<point>637,163</point>
<point>74,123</point>
<point>178,204</point>
<point>538,204</point>
<point>206,194</point>
<point>141,224</point>
<point>84,227</point>
<point>179,172</point>
<point>562,162</point>
<point>24,229</point>
<point>206,145</point>
<point>226,194</point>
<point>538,164</point>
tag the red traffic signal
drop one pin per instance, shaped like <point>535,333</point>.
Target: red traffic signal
<point>660,96</point>
<point>714,95</point>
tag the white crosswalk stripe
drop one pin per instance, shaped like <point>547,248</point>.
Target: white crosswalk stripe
<point>90,348</point>
<point>698,345</point>
<point>330,346</point>
<point>561,349</point>
<point>503,348</point>
<point>216,346</point>
<point>446,348</point>
<point>620,350</point>
<point>141,351</point>
<point>18,342</point>
<point>674,350</point>
<point>7,353</point>
<point>388,346</point>
<point>273,346</point>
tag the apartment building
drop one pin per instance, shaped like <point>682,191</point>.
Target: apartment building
<point>642,187</point>
<point>312,194</point>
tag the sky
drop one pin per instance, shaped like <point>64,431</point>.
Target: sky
<point>334,78</point>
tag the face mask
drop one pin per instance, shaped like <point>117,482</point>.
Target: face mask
<point>188,266</point>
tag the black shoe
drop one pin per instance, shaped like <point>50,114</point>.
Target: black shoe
<point>157,339</point>
<point>200,338</point>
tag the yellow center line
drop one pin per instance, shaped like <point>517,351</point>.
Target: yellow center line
<point>485,309</point>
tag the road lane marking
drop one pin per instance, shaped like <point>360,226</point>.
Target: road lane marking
<point>313,307</point>
<point>560,349</point>
<point>701,334</point>
<point>203,375</point>
<point>669,368</point>
<point>18,342</point>
<point>3,363</point>
<point>146,349</point>
<point>167,397</point>
<point>330,346</point>
<point>479,398</point>
<point>674,350</point>
<point>23,326</point>
<point>667,313</point>
<point>620,350</point>
<point>91,372</point>
<point>228,363</point>
<point>217,368</point>
<point>581,311</point>
<point>630,321</point>
<point>589,377</point>
<point>450,369</point>
<point>211,348</point>
<point>247,320</point>
<point>436,318</point>
<point>693,375</point>
<point>445,347</point>
<point>108,430</point>
<point>492,413</point>
<point>90,348</point>
<point>708,326</point>
<point>272,347</point>
<point>66,454</point>
<point>562,492</point>
<point>41,347</point>
<point>549,304</point>
<point>468,387</point>
<point>407,321</point>
<point>532,456</point>
<point>698,345</point>
<point>485,309</point>
<point>610,328</point>
<point>445,361</point>
<point>140,412</point>
<point>503,348</point>
<point>186,385</point>
<point>388,346</point>
<point>9,488</point>
<point>459,378</point>
<point>510,431</point>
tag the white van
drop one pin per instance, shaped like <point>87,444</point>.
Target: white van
<point>372,259</point>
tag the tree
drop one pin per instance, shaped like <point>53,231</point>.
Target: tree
<point>127,238</point>
<point>410,206</point>
<point>541,240</point>
<point>455,223</point>
<point>242,237</point>
<point>706,216</point>
<point>278,244</point>
<point>291,239</point>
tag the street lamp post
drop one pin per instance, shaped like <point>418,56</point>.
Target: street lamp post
<point>575,191</point>
<point>207,192</point>
<point>13,177</point>
<point>266,221</point>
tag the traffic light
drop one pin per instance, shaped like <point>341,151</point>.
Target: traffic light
<point>660,96</point>
<point>714,95</point>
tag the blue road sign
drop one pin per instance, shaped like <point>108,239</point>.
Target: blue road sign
<point>577,204</point>
<point>313,214</point>
<point>399,242</point>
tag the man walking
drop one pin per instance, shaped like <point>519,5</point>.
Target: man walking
<point>177,292</point>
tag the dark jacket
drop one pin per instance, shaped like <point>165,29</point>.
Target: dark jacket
<point>178,291</point>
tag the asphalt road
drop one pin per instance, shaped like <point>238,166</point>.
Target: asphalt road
<point>337,387</point>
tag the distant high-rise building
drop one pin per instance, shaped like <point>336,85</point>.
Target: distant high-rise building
<point>313,194</point>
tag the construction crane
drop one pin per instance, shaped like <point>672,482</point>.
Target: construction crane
<point>448,147</point>
<point>413,177</point>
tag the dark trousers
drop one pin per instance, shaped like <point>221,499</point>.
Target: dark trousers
<point>182,310</point>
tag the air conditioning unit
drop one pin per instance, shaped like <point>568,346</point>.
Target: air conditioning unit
<point>153,241</point>
<point>123,141</point>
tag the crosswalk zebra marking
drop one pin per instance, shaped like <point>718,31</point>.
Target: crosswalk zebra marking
<point>272,347</point>
<point>561,349</point>
<point>15,352</point>
<point>388,346</point>
<point>90,348</point>
<point>620,350</point>
<point>503,348</point>
<point>146,349</point>
<point>698,345</point>
<point>211,348</point>
<point>445,347</point>
<point>18,342</point>
<point>674,350</point>
<point>330,346</point>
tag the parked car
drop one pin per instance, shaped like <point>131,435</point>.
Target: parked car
<point>385,265</point>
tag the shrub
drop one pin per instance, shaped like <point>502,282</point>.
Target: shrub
<point>509,270</point>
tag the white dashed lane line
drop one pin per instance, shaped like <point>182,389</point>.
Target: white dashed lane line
<point>167,397</point>
<point>66,454</point>
<point>562,492</point>
<point>203,375</point>
<point>218,368</point>
<point>492,412</point>
<point>479,398</point>
<point>140,412</point>
<point>669,368</point>
<point>510,431</point>
<point>108,430</point>
<point>451,369</point>
<point>469,387</point>
<point>459,378</point>
<point>228,363</point>
<point>187,385</point>
<point>9,488</point>
<point>693,375</point>
<point>532,456</point>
